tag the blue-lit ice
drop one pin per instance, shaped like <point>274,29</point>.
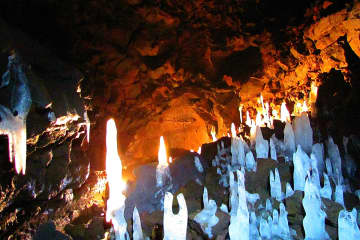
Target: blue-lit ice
<point>283,223</point>
<point>350,164</point>
<point>335,159</point>
<point>289,141</point>
<point>254,232</point>
<point>237,152</point>
<point>198,164</point>
<point>137,230</point>
<point>301,166</point>
<point>207,218</point>
<point>326,191</point>
<point>289,191</point>
<point>250,162</point>
<point>275,185</point>
<point>261,145</point>
<point>339,194</point>
<point>272,150</point>
<point>318,151</point>
<point>303,132</point>
<point>347,225</point>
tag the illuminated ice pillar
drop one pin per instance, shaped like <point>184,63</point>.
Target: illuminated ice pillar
<point>162,170</point>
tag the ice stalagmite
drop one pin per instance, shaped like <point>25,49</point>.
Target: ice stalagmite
<point>261,145</point>
<point>275,230</point>
<point>254,232</point>
<point>301,166</point>
<point>239,228</point>
<point>347,225</point>
<point>207,218</point>
<point>326,191</point>
<point>314,220</point>
<point>13,121</point>
<point>137,230</point>
<point>315,176</point>
<point>268,205</point>
<point>289,190</point>
<point>350,164</point>
<point>275,185</point>
<point>250,162</point>
<point>175,226</point>
<point>265,231</point>
<point>339,194</point>
<point>283,223</point>
<point>334,155</point>
<point>329,168</point>
<point>289,141</point>
<point>272,150</point>
<point>318,151</point>
<point>303,132</point>
<point>237,152</point>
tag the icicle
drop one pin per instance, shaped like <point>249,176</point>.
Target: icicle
<point>275,185</point>
<point>250,162</point>
<point>137,230</point>
<point>289,141</point>
<point>347,225</point>
<point>314,220</point>
<point>272,150</point>
<point>175,226</point>
<point>261,145</point>
<point>289,190</point>
<point>207,218</point>
<point>326,191</point>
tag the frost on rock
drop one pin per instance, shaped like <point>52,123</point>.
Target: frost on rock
<point>289,190</point>
<point>326,191</point>
<point>207,218</point>
<point>237,152</point>
<point>250,162</point>
<point>198,164</point>
<point>254,232</point>
<point>303,132</point>
<point>314,220</point>
<point>239,220</point>
<point>339,194</point>
<point>137,230</point>
<point>301,166</point>
<point>335,159</point>
<point>275,185</point>
<point>272,150</point>
<point>261,145</point>
<point>175,225</point>
<point>347,225</point>
<point>13,122</point>
<point>289,141</point>
<point>318,151</point>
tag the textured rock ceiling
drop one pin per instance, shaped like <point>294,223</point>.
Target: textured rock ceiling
<point>178,68</point>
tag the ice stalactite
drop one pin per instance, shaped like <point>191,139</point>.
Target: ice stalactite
<point>13,120</point>
<point>137,230</point>
<point>347,225</point>
<point>207,218</point>
<point>175,225</point>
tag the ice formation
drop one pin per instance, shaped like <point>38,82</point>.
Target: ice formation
<point>329,168</point>
<point>275,228</point>
<point>303,132</point>
<point>272,150</point>
<point>301,166</point>
<point>275,185</point>
<point>250,162</point>
<point>254,232</point>
<point>175,225</point>
<point>314,220</point>
<point>163,176</point>
<point>198,164</point>
<point>239,220</point>
<point>347,225</point>
<point>268,205</point>
<point>279,145</point>
<point>237,152</point>
<point>315,176</point>
<point>261,145</point>
<point>326,191</point>
<point>289,190</point>
<point>13,122</point>
<point>335,159</point>
<point>318,151</point>
<point>339,194</point>
<point>284,229</point>
<point>265,229</point>
<point>251,198</point>
<point>207,218</point>
<point>137,230</point>
<point>289,141</point>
